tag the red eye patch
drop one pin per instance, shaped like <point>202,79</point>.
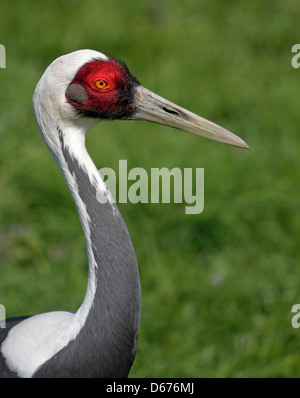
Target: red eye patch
<point>103,89</point>
<point>102,74</point>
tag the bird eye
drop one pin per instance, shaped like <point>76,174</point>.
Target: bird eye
<point>101,84</point>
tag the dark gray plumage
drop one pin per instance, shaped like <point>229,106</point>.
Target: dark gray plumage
<point>106,345</point>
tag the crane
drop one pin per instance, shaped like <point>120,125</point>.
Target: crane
<point>77,91</point>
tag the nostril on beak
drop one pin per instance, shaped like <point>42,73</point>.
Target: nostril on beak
<point>171,111</point>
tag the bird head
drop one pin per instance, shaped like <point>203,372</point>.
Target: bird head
<point>89,86</point>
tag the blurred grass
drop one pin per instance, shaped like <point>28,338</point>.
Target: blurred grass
<point>218,287</point>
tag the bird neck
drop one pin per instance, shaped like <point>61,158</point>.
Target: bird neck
<point>110,313</point>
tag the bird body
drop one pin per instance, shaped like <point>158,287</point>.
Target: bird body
<point>77,91</point>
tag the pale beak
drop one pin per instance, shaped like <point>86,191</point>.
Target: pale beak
<point>153,108</point>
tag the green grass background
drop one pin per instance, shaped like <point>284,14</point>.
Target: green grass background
<point>218,287</point>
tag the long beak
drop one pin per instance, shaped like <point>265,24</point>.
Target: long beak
<point>153,108</point>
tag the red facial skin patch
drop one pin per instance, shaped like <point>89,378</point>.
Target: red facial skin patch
<point>114,99</point>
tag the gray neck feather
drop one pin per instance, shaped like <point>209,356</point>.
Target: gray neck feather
<point>106,344</point>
